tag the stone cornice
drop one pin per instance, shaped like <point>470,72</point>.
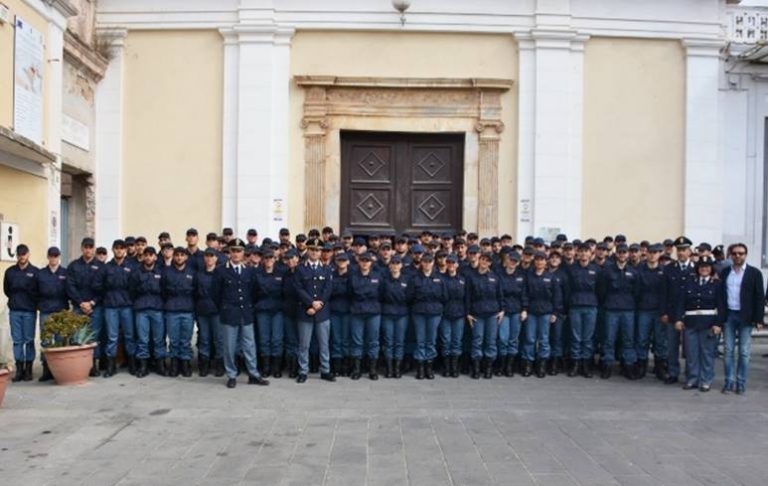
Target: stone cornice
<point>63,7</point>
<point>384,82</point>
<point>79,53</point>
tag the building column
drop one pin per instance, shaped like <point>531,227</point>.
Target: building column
<point>109,143</point>
<point>262,128</point>
<point>229,129</point>
<point>55,57</point>
<point>703,220</point>
<point>526,134</point>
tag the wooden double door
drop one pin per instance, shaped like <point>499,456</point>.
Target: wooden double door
<point>401,182</point>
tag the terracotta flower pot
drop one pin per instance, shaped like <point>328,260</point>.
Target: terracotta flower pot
<point>70,365</point>
<point>5,377</point>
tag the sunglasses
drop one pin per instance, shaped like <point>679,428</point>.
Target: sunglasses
<point>738,253</point>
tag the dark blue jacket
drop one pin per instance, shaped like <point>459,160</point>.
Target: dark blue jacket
<point>483,293</point>
<point>80,281</point>
<point>428,293</point>
<point>20,286</point>
<point>204,304</point>
<point>456,292</point>
<point>618,288</point>
<point>545,294</point>
<point>233,294</point>
<point>514,295</point>
<point>394,295</point>
<point>313,284</point>
<point>698,300</point>
<point>52,290</point>
<point>676,280</point>
<point>652,288</point>
<point>582,284</point>
<point>147,289</point>
<point>196,261</point>
<point>113,283</point>
<point>340,296</point>
<point>561,277</point>
<point>179,289</point>
<point>365,292</point>
<point>269,290</point>
<point>290,296</point>
<point>751,295</point>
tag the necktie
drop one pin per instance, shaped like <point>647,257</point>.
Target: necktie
<point>238,269</point>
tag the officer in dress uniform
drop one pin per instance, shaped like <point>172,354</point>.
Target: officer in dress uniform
<point>677,276</point>
<point>52,289</point>
<point>233,292</point>
<point>313,284</point>
<point>20,286</point>
<point>699,315</point>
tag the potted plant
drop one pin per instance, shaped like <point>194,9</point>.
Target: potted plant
<point>5,377</point>
<point>69,342</point>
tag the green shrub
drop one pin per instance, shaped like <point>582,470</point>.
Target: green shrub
<point>66,328</point>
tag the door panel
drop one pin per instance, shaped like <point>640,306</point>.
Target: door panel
<point>401,182</point>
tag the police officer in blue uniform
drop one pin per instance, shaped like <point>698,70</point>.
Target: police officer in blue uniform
<point>545,300</point>
<point>700,314</point>
<point>454,316</point>
<point>113,283</point>
<point>313,284</point>
<point>209,342</point>
<point>233,292</point>
<point>394,315</point>
<point>20,286</point>
<point>583,276</point>
<point>269,315</point>
<point>52,290</point>
<point>290,311</point>
<point>340,316</point>
<point>427,295</point>
<point>365,286</point>
<point>514,300</point>
<point>147,295</point>
<point>652,290</point>
<point>485,312</point>
<point>677,274</point>
<point>85,297</point>
<point>179,292</point>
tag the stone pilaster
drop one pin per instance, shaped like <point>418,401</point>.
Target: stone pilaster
<point>314,124</point>
<point>489,133</point>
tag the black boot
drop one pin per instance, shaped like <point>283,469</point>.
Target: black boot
<point>498,366</point>
<point>373,372</point>
<point>429,372</point>
<point>143,371</point>
<point>550,367</point>
<point>475,369</point>
<point>277,367</point>
<point>28,370</point>
<point>575,369</point>
<point>131,365</point>
<point>203,366</point>
<point>186,368</point>
<point>336,367</point>
<point>47,376</point>
<point>173,372</point>
<point>355,373</point>
<point>447,366</point>
<point>390,369</point>
<point>264,366</point>
<point>606,372</point>
<point>509,366</point>
<point>20,365</point>
<point>642,369</point>
<point>419,370</point>
<point>527,368</point>
<point>454,366</point>
<point>540,369</point>
<point>218,371</point>
<point>160,367</point>
<point>398,368</point>
<point>346,365</point>
<point>488,369</point>
<point>586,368</point>
<point>111,368</point>
<point>293,367</point>
<point>94,368</point>
<point>557,366</point>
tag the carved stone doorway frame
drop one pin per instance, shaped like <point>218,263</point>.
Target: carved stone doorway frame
<point>333,104</point>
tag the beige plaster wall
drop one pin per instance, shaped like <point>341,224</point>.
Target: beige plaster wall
<point>172,139</point>
<point>395,54</point>
<point>634,138</point>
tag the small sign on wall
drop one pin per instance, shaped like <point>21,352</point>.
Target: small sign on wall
<point>9,238</point>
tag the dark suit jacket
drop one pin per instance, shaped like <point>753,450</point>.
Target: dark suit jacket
<point>233,294</point>
<point>311,285</point>
<point>752,294</point>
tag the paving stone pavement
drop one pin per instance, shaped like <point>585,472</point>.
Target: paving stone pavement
<point>519,431</point>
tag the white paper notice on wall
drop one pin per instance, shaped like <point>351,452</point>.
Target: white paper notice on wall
<point>75,132</point>
<point>9,238</point>
<point>28,82</point>
<point>277,210</point>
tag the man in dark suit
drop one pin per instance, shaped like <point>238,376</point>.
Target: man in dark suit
<point>232,290</point>
<point>745,301</point>
<point>312,283</point>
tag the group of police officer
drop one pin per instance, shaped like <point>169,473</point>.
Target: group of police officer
<point>340,304</point>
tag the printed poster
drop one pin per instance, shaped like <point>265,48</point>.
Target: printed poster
<point>28,82</point>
